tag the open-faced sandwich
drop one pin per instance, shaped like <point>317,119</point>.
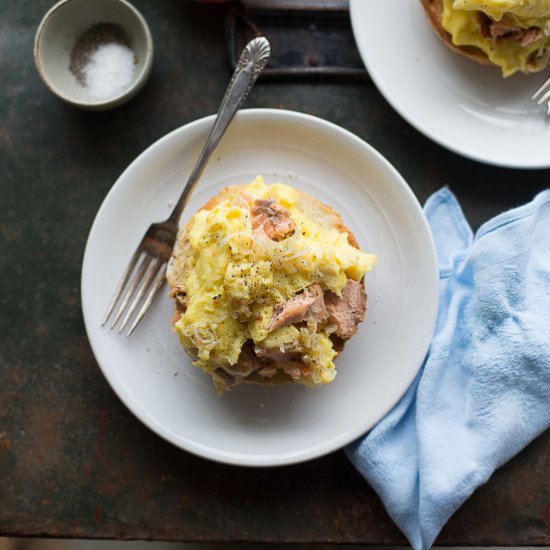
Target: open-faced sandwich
<point>511,34</point>
<point>268,286</point>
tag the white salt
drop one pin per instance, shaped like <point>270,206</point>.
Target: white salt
<point>110,69</point>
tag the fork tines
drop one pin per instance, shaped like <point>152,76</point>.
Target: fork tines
<point>542,95</point>
<point>141,289</point>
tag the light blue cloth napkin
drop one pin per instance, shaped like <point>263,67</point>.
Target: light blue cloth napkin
<point>484,390</point>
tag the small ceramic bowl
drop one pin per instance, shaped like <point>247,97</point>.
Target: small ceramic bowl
<point>61,28</point>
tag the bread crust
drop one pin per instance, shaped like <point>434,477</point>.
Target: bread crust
<point>314,208</point>
<point>434,12</point>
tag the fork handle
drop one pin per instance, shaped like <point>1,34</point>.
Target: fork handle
<point>251,63</point>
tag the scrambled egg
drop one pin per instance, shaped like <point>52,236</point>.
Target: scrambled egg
<point>234,276</point>
<point>521,37</point>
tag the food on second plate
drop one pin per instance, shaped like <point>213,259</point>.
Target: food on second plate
<point>268,286</point>
<point>511,34</point>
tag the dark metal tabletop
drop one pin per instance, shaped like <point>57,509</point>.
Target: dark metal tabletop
<point>74,462</point>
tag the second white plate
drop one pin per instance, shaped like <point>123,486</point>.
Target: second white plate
<point>252,425</point>
<point>468,108</point>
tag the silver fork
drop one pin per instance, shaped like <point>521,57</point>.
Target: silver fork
<point>542,95</point>
<point>154,250</point>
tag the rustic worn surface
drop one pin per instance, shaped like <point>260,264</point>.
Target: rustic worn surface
<point>73,461</point>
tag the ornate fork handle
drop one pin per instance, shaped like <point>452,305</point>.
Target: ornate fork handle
<point>251,63</point>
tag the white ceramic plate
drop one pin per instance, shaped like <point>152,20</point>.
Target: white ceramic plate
<point>465,107</point>
<point>253,425</point>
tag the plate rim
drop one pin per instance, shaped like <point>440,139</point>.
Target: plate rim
<point>247,459</point>
<point>357,6</point>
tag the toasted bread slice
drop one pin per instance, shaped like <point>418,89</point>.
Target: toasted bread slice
<point>434,11</point>
<point>314,209</point>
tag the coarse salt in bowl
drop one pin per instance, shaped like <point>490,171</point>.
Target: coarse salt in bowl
<point>95,55</point>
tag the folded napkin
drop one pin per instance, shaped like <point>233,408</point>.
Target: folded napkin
<point>483,392</point>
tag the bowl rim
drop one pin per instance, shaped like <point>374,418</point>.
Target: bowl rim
<point>114,100</point>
